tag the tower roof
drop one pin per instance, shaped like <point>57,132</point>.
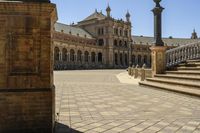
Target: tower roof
<point>108,9</point>
<point>96,15</point>
<point>128,14</point>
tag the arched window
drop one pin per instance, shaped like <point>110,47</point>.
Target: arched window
<point>126,60</point>
<point>102,31</point>
<point>125,44</point>
<point>133,59</point>
<point>99,31</point>
<point>121,59</point>
<point>126,33</point>
<point>115,42</point>
<point>64,54</point>
<point>139,59</point>
<point>79,56</point>
<point>93,56</point>
<point>100,58</point>
<point>120,43</point>
<point>101,42</point>
<point>56,53</point>
<point>145,59</point>
<point>116,59</point>
<point>120,32</point>
<point>72,55</point>
<point>116,31</point>
<point>86,55</point>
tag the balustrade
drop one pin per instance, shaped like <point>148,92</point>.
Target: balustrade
<point>182,53</point>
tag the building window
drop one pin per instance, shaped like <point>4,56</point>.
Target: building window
<point>126,33</point>
<point>120,32</point>
<point>116,59</point>
<point>133,59</point>
<point>100,58</point>
<point>121,59</point>
<point>139,59</point>
<point>99,31</point>
<point>116,31</point>
<point>126,60</point>
<point>72,55</point>
<point>86,55</point>
<point>115,43</point>
<point>64,54</point>
<point>56,53</point>
<point>102,31</point>
<point>145,59</point>
<point>100,42</point>
<point>125,44</point>
<point>120,43</point>
<point>79,56</point>
<point>93,56</point>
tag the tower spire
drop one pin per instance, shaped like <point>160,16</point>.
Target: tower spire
<point>128,16</point>
<point>108,10</point>
<point>194,34</point>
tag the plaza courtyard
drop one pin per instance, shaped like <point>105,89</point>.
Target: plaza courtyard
<point>95,101</point>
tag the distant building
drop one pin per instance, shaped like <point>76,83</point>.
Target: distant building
<point>100,41</point>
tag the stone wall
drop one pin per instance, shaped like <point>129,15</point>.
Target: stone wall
<point>26,111</point>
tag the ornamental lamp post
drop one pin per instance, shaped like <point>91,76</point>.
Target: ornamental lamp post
<point>157,11</point>
<point>158,50</point>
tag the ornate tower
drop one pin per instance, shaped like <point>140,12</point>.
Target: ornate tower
<point>26,76</point>
<point>108,10</point>
<point>194,35</point>
<point>128,16</point>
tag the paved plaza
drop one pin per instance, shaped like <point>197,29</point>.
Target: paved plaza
<point>95,101</point>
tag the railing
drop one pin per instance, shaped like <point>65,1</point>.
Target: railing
<point>140,73</point>
<point>183,53</point>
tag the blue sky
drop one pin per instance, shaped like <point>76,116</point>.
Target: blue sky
<point>180,17</point>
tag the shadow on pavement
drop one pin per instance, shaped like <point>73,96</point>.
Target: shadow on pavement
<point>61,128</point>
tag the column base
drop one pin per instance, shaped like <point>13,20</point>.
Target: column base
<point>158,59</point>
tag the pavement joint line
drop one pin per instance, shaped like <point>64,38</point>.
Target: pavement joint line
<point>99,126</point>
<point>117,126</point>
<point>134,125</point>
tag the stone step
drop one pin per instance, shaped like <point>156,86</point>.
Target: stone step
<point>188,68</point>
<point>188,83</point>
<point>178,77</point>
<point>184,73</point>
<point>172,87</point>
<point>195,60</point>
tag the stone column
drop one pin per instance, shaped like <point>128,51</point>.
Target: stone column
<point>27,90</point>
<point>158,50</point>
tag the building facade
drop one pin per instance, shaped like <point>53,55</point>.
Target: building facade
<point>100,41</point>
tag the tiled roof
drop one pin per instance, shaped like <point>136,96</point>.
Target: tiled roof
<point>95,15</point>
<point>168,41</point>
<point>75,31</point>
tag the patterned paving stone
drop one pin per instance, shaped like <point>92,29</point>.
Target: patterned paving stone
<point>96,102</point>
